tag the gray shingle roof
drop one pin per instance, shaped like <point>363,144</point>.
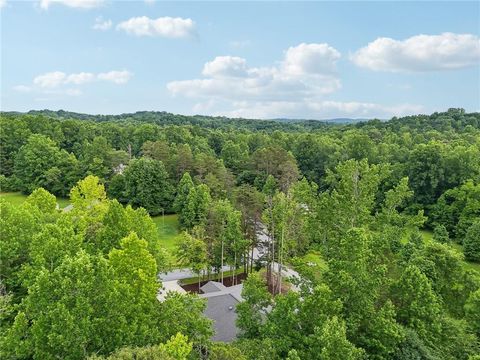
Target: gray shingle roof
<point>221,309</point>
<point>212,286</point>
<point>221,304</point>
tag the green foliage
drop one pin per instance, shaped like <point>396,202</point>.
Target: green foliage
<point>219,351</point>
<point>329,343</point>
<point>40,163</point>
<point>83,281</point>
<point>458,208</point>
<point>256,296</point>
<point>472,311</point>
<point>471,244</point>
<point>440,234</point>
<point>192,253</point>
<point>183,189</point>
<point>147,185</point>
<point>426,171</point>
<point>196,207</point>
<point>184,314</point>
<point>418,307</point>
<point>177,348</point>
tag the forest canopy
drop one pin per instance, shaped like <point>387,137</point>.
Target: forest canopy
<point>83,282</point>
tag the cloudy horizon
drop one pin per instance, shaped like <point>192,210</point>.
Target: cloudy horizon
<point>250,60</point>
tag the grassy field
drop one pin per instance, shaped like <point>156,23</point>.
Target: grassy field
<point>169,232</point>
<point>17,198</point>
<point>167,226</point>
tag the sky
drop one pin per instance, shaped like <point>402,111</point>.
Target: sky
<point>310,60</point>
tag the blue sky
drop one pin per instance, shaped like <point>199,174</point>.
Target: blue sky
<point>243,59</point>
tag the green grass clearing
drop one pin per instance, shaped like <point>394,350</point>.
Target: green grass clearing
<point>17,198</point>
<point>169,234</point>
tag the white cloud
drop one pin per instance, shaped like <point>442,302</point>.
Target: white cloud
<point>296,77</point>
<point>311,59</point>
<point>306,73</point>
<point>420,53</point>
<point>225,66</point>
<point>57,78</point>
<point>59,83</point>
<point>317,110</point>
<point>298,86</point>
<point>51,79</point>
<point>164,26</point>
<point>82,4</point>
<point>117,77</point>
<point>101,24</point>
<point>80,78</point>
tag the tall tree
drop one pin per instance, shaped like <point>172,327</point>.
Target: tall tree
<point>147,185</point>
<point>192,252</point>
<point>471,244</point>
<point>183,189</point>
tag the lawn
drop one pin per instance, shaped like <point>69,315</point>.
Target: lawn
<point>169,233</point>
<point>17,198</point>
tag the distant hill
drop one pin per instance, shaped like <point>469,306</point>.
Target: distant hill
<point>329,121</point>
<point>455,117</point>
<point>165,118</point>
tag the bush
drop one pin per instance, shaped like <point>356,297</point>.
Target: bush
<point>471,244</point>
<point>440,234</point>
<point>8,184</point>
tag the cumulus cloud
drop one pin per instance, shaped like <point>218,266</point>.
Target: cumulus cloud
<point>305,74</point>
<point>117,77</point>
<point>50,80</point>
<point>225,66</point>
<point>168,27</point>
<point>420,53</point>
<point>101,24</point>
<point>297,86</point>
<point>311,59</point>
<point>82,4</point>
<point>80,78</point>
<point>321,109</point>
<point>297,76</point>
<point>58,82</point>
<point>58,78</point>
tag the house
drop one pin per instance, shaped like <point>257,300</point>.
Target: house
<point>221,305</point>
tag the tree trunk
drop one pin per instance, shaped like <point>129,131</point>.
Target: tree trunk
<point>280,262</point>
<point>221,270</point>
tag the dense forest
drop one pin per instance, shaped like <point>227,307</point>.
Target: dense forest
<point>83,283</point>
